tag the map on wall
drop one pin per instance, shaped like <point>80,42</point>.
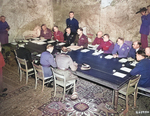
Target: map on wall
<point>105,3</point>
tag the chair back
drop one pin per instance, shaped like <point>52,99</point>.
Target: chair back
<point>38,71</point>
<point>22,64</point>
<point>15,52</point>
<point>133,83</point>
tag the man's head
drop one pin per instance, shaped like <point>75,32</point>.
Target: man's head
<point>140,54</point>
<point>3,19</point>
<point>43,27</point>
<point>55,28</point>
<point>99,34</point>
<point>136,44</point>
<point>80,31</point>
<point>49,48</point>
<point>143,11</point>
<point>71,14</point>
<point>147,51</point>
<point>68,30</point>
<point>148,9</point>
<point>64,50</point>
<point>120,41</point>
<point>106,37</point>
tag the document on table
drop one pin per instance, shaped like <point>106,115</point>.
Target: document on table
<point>39,55</point>
<point>97,53</point>
<point>92,47</point>
<point>134,63</point>
<point>42,39</point>
<point>35,41</point>
<point>85,50</point>
<point>123,60</point>
<point>60,44</point>
<point>52,41</point>
<point>74,47</point>
<point>109,56</point>
<point>118,74</point>
<point>125,69</point>
<point>36,38</point>
<point>41,43</point>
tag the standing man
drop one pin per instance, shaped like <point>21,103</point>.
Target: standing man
<point>47,60</point>
<point>4,28</point>
<point>83,40</point>
<point>2,64</point>
<point>72,22</point>
<point>144,30</point>
<point>142,68</point>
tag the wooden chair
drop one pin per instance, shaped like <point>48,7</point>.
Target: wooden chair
<point>130,88</point>
<point>38,70</point>
<point>61,81</point>
<point>24,68</point>
<point>16,59</point>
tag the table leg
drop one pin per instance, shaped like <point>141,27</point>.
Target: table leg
<point>115,99</point>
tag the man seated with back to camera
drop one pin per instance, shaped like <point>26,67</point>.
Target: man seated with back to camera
<point>106,45</point>
<point>65,65</point>
<point>83,40</point>
<point>69,37</point>
<point>121,49</point>
<point>135,47</point>
<point>47,60</point>
<point>142,68</point>
<point>98,39</point>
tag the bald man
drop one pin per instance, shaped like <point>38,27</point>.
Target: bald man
<point>147,52</point>
<point>98,39</point>
<point>135,47</point>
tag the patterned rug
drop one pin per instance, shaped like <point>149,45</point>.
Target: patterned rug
<point>92,100</point>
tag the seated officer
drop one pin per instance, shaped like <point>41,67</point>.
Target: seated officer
<point>83,40</point>
<point>69,37</point>
<point>134,49</point>
<point>47,60</point>
<point>121,49</point>
<point>98,39</point>
<point>147,52</point>
<point>142,68</point>
<point>58,35</point>
<point>106,44</point>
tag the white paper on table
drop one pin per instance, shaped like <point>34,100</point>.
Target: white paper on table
<point>35,41</point>
<point>25,41</point>
<point>123,60</point>
<point>118,74</point>
<point>52,41</point>
<point>85,50</point>
<point>42,39</point>
<point>134,63</point>
<point>61,44</point>
<point>39,55</point>
<point>125,69</point>
<point>36,38</point>
<point>109,56</point>
<point>98,53</point>
<point>92,47</point>
<point>41,43</point>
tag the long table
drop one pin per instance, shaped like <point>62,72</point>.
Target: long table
<point>101,71</point>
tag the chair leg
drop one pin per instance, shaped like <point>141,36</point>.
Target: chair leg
<point>135,97</point>
<point>43,86</point>
<point>127,99</point>
<point>26,77</point>
<point>64,93</point>
<point>54,89</point>
<point>35,82</point>
<point>20,75</point>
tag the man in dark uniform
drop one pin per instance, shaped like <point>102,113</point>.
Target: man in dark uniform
<point>142,68</point>
<point>69,37</point>
<point>72,22</point>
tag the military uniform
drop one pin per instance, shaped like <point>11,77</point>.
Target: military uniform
<point>121,51</point>
<point>143,68</point>
<point>69,38</point>
<point>107,47</point>
<point>83,41</point>
<point>59,36</point>
<point>97,41</point>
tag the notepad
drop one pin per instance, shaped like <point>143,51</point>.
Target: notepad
<point>85,50</point>
<point>97,53</point>
<point>92,47</point>
<point>52,41</point>
<point>125,69</point>
<point>42,39</point>
<point>123,60</point>
<point>41,43</point>
<point>60,44</point>
<point>36,38</point>
<point>109,56</point>
<point>74,47</point>
<point>39,55</point>
<point>134,63</point>
<point>118,74</point>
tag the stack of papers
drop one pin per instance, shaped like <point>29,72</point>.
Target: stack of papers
<point>41,43</point>
<point>134,63</point>
<point>52,41</point>
<point>118,74</point>
<point>92,47</point>
<point>36,38</point>
<point>123,60</point>
<point>98,53</point>
<point>60,44</point>
<point>74,47</point>
<point>25,41</point>
<point>42,39</point>
<point>109,56</point>
<point>35,41</point>
<point>85,50</point>
<point>39,55</point>
<point>125,69</point>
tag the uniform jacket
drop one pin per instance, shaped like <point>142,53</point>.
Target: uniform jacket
<point>69,38</point>
<point>97,41</point>
<point>48,35</point>
<point>83,41</point>
<point>145,25</point>
<point>59,36</point>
